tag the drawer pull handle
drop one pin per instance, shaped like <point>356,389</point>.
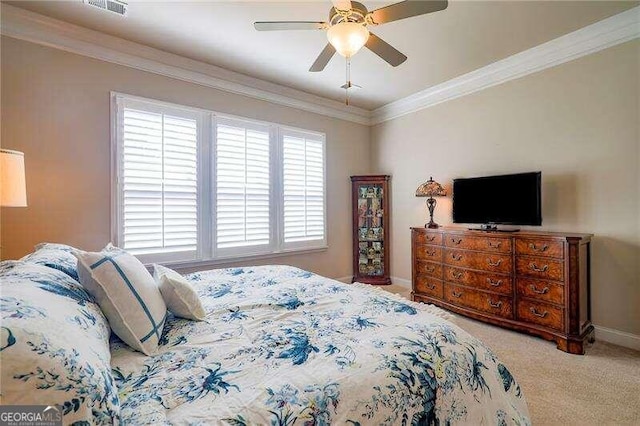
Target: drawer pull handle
<point>431,286</point>
<point>495,245</point>
<point>535,289</point>
<point>496,304</point>
<point>431,253</point>
<point>456,241</point>
<point>456,257</point>
<point>494,283</point>
<point>535,312</point>
<point>430,269</point>
<point>492,263</point>
<point>536,268</point>
<point>456,275</point>
<point>456,294</point>
<point>430,238</point>
<point>542,249</point>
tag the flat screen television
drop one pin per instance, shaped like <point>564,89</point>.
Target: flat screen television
<point>506,199</point>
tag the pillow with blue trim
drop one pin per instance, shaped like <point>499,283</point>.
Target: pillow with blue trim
<point>56,256</point>
<point>127,294</point>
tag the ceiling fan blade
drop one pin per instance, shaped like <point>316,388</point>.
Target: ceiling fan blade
<point>383,49</point>
<point>289,25</point>
<point>342,4</point>
<point>406,9</point>
<point>323,59</point>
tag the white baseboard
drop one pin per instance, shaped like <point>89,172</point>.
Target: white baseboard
<point>617,337</point>
<point>401,282</point>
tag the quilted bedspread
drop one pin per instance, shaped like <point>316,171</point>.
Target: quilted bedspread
<point>283,346</point>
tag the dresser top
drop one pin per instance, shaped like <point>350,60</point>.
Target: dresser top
<point>504,234</point>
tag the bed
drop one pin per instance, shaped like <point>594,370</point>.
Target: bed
<point>280,346</point>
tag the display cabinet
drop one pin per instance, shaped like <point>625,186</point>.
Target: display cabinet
<point>370,204</point>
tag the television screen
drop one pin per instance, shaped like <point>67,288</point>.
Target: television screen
<point>507,199</point>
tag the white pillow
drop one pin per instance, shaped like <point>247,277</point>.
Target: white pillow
<point>178,294</point>
<point>127,294</point>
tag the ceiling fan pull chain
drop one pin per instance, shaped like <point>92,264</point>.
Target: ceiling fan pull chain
<point>348,72</point>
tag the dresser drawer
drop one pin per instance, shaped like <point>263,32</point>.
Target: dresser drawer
<point>499,245</point>
<point>482,280</point>
<point>429,268</point>
<point>545,291</point>
<point>428,237</point>
<point>541,313</point>
<point>540,267</point>
<point>535,247</point>
<point>428,286</point>
<point>492,262</point>
<point>426,252</point>
<point>478,300</point>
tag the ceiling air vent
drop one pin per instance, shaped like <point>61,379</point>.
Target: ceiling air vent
<point>115,6</point>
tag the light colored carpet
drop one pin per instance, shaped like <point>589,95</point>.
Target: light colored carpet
<point>601,387</point>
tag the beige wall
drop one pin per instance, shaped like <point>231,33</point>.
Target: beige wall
<point>578,123</point>
<point>55,108</point>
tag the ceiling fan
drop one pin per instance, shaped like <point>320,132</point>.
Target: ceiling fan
<point>347,30</point>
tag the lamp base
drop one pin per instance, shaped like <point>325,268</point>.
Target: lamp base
<point>431,205</point>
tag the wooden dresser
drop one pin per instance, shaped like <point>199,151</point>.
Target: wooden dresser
<point>536,282</point>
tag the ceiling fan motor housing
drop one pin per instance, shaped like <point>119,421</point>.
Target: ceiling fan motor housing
<point>357,13</point>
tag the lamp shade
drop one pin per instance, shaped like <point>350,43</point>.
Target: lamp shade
<point>13,189</point>
<point>430,188</point>
<point>347,37</point>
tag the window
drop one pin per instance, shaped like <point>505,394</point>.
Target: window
<point>242,186</point>
<point>303,187</point>
<point>194,185</point>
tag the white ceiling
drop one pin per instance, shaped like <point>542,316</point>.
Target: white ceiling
<point>440,46</point>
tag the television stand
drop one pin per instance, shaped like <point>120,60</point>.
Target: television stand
<point>532,281</point>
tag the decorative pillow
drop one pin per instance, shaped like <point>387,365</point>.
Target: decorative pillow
<point>54,345</point>
<point>127,294</point>
<point>56,256</point>
<point>178,294</point>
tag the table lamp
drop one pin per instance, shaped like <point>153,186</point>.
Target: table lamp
<point>431,189</point>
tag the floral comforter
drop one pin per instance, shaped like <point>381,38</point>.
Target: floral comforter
<point>283,346</point>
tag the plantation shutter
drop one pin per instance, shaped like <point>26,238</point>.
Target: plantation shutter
<point>242,171</point>
<point>159,183</point>
<point>303,189</point>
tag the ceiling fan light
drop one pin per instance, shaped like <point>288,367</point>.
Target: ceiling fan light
<point>347,37</point>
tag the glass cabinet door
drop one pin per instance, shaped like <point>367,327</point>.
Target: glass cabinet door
<point>370,221</point>
<point>370,230</point>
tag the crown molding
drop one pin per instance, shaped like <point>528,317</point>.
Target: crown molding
<point>33,27</point>
<point>590,39</point>
<point>39,29</point>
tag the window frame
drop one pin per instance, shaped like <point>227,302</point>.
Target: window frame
<point>207,254</point>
